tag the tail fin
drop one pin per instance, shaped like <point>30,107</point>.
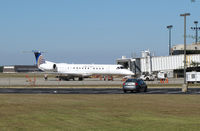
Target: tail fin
<point>39,58</point>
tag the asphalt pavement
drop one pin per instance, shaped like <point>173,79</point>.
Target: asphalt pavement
<point>94,91</point>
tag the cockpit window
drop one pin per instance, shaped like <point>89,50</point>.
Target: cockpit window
<point>120,67</point>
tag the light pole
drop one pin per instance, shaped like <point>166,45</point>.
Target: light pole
<point>196,29</point>
<point>170,27</point>
<point>185,88</point>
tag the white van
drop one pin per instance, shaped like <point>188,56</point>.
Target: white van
<point>162,75</point>
<point>192,77</point>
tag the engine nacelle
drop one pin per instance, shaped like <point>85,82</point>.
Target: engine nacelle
<point>55,69</point>
<point>54,66</point>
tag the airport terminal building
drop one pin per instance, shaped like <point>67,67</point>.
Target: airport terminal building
<point>20,69</point>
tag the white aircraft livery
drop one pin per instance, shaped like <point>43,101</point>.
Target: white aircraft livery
<point>80,71</point>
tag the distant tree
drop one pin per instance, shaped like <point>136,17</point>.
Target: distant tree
<point>195,64</point>
<point>193,37</point>
<point>1,69</point>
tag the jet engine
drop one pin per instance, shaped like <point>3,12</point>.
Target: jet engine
<point>55,69</point>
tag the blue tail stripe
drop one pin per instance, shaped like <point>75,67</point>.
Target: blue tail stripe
<point>37,55</point>
<point>39,59</point>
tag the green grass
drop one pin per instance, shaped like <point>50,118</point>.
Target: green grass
<point>100,112</point>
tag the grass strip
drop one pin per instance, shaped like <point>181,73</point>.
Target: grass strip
<point>100,112</point>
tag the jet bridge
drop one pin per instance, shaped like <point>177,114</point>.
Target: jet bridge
<point>133,64</point>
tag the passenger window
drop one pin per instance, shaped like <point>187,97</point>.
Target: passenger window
<point>121,67</point>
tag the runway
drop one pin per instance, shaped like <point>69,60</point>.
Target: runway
<point>93,91</point>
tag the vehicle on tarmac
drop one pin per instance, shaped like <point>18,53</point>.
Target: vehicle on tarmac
<point>147,77</point>
<point>162,75</point>
<point>134,85</point>
<point>193,77</point>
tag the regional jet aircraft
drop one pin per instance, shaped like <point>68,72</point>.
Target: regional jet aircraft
<point>80,71</point>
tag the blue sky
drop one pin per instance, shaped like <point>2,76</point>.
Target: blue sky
<point>90,31</point>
